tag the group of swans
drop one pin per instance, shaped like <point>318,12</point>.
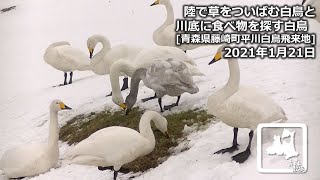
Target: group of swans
<point>108,148</point>
<point>167,70</point>
<point>164,77</point>
<point>38,158</point>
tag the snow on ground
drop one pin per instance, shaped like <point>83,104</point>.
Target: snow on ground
<point>27,85</point>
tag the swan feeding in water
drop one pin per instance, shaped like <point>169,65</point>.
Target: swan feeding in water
<point>241,107</point>
<point>63,57</point>
<point>167,77</point>
<point>34,159</point>
<point>102,61</point>
<point>112,147</point>
<point>144,60</point>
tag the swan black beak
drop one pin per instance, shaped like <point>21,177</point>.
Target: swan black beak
<point>67,107</point>
<point>167,134</point>
<point>216,58</point>
<point>91,52</point>
<point>155,3</point>
<point>127,111</point>
<point>303,2</point>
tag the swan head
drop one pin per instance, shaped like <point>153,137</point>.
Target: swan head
<point>218,55</point>
<point>157,2</point>
<point>118,100</point>
<point>58,105</point>
<point>91,44</point>
<point>162,124</point>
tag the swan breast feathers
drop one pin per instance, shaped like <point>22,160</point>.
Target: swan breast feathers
<point>247,108</point>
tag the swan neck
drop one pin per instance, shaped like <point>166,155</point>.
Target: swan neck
<point>105,48</point>
<point>145,129</point>
<point>53,130</point>
<point>137,76</point>
<point>115,70</point>
<point>234,75</point>
<point>170,17</point>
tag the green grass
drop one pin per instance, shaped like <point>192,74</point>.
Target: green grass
<point>82,127</point>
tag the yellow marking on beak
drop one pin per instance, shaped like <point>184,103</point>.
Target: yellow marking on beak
<point>218,55</point>
<point>90,50</point>
<point>155,3</point>
<point>62,105</point>
<point>123,106</point>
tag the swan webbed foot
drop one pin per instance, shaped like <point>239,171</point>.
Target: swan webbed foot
<point>230,149</point>
<point>109,94</point>
<point>241,157</point>
<point>101,168</point>
<point>149,98</point>
<point>125,84</point>
<point>169,107</point>
<point>16,178</point>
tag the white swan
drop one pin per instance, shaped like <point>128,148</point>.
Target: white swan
<point>63,57</point>
<point>102,61</point>
<point>112,147</point>
<point>165,35</point>
<point>314,3</point>
<point>164,77</point>
<point>241,107</point>
<point>34,159</point>
<point>144,60</point>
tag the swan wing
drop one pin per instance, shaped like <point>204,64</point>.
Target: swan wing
<point>249,107</point>
<point>22,156</point>
<point>73,57</point>
<point>114,144</point>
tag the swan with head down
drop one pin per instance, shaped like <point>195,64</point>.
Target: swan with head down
<point>112,147</point>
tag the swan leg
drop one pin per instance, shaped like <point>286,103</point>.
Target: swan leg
<point>234,146</point>
<point>115,174</point>
<point>149,98</point>
<point>109,94</point>
<point>65,80</point>
<point>243,156</point>
<point>71,75</point>
<point>172,105</point>
<point>125,84</point>
<point>160,104</point>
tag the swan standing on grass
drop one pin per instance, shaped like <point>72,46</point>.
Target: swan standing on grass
<point>112,147</point>
<point>144,60</point>
<point>165,35</point>
<point>241,107</point>
<point>63,57</point>
<point>314,3</point>
<point>164,77</point>
<point>102,61</point>
<point>34,159</point>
